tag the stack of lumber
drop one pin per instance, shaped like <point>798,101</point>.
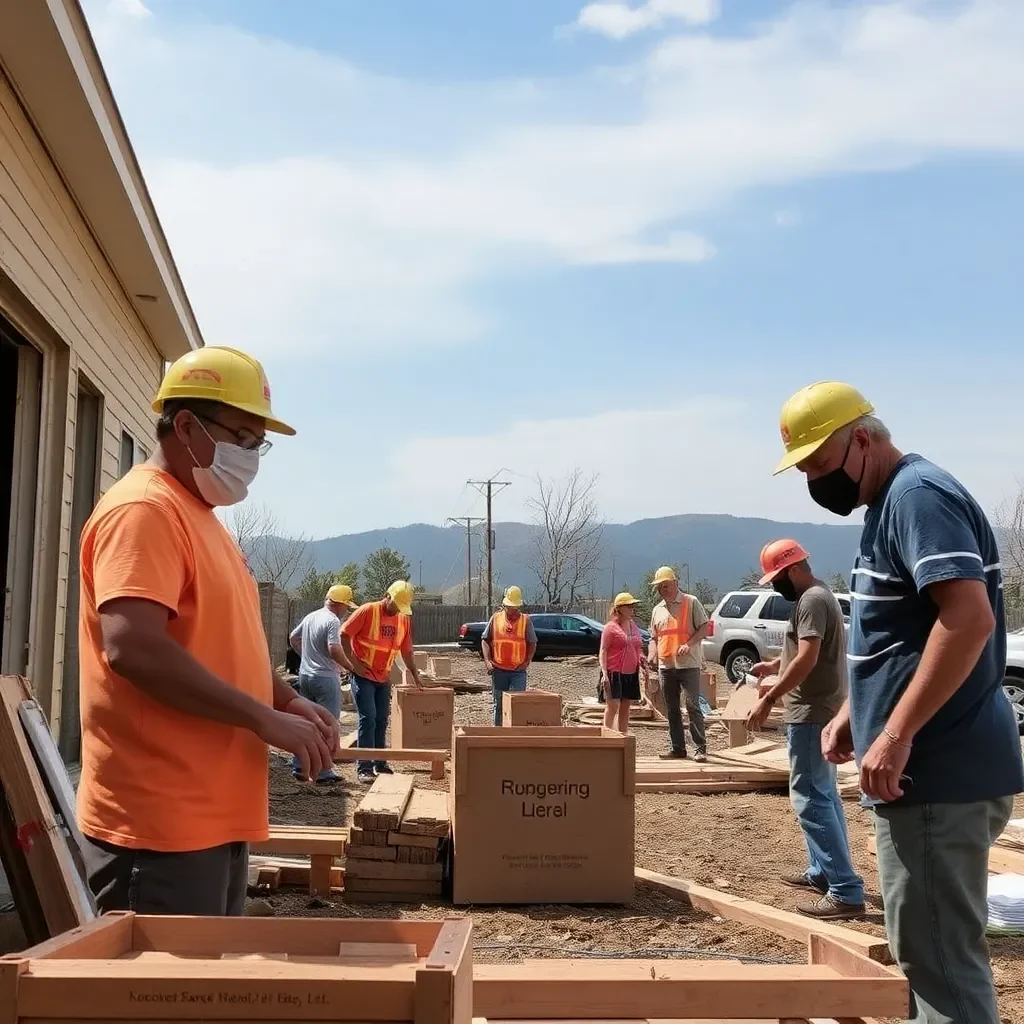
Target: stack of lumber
<point>397,843</point>
<point>657,776</point>
<point>774,755</point>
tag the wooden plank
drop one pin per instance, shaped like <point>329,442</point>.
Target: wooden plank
<point>388,897</point>
<point>388,869</point>
<point>419,886</point>
<point>285,840</point>
<point>415,855</point>
<point>385,802</point>
<point>357,852</point>
<point>678,989</point>
<point>401,952</point>
<point>389,754</point>
<point>407,839</point>
<point>427,814</point>
<point>709,787</point>
<point>105,938</point>
<point>292,872</point>
<point>367,837</point>
<point>781,922</point>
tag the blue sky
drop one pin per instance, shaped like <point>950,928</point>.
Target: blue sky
<point>534,234</point>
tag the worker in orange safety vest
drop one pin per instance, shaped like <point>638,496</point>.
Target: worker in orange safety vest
<point>372,637</point>
<point>509,643</point>
<point>678,625</point>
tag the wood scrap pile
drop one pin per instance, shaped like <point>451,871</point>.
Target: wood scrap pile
<point>398,843</point>
<point>774,755</point>
<point>589,711</point>
<point>656,776</point>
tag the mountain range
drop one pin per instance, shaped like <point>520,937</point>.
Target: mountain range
<point>721,548</point>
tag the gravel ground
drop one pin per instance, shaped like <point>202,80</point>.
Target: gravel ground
<point>736,842</point>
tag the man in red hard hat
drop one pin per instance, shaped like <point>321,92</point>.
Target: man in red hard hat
<point>811,683</point>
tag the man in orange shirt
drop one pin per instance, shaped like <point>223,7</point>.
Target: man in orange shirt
<point>178,696</point>
<point>372,638</point>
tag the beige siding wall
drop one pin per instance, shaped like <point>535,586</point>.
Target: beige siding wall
<point>65,299</point>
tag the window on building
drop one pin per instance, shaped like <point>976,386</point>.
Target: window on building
<point>132,453</point>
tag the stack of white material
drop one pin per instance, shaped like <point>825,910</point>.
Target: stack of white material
<point>1006,903</point>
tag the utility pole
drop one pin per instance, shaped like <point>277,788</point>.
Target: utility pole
<point>470,522</point>
<point>489,488</point>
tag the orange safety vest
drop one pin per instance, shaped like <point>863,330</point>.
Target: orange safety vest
<point>676,633</point>
<point>508,641</point>
<point>378,652</point>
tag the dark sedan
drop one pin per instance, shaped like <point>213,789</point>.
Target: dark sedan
<point>558,635</point>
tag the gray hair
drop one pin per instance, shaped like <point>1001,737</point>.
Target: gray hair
<point>875,428</point>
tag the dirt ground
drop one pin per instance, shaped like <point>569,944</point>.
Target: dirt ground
<point>740,843</point>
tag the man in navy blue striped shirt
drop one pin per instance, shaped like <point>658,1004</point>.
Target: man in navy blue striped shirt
<point>926,718</point>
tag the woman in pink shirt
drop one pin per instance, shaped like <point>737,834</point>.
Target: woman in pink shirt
<point>620,658</point>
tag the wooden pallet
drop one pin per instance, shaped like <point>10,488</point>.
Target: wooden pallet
<point>320,844</point>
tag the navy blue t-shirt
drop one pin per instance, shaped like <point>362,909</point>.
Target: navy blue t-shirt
<point>923,528</point>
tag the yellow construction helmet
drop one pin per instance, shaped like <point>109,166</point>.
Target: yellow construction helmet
<point>513,598</point>
<point>624,598</point>
<point>341,593</point>
<point>814,414</point>
<point>665,574</point>
<point>222,375</point>
<point>401,593</point>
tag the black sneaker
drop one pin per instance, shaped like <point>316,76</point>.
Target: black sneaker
<point>384,769</point>
<point>673,755</point>
<point>366,778</point>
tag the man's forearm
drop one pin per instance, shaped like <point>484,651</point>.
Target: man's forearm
<point>357,666</point>
<point>531,650</point>
<point>166,672</point>
<point>947,660</point>
<point>485,650</point>
<point>283,693</point>
<point>794,674</point>
<point>699,634</point>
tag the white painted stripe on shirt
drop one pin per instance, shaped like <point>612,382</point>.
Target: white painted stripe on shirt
<point>877,597</point>
<point>876,575</point>
<point>993,567</point>
<point>946,555</point>
<point>877,654</point>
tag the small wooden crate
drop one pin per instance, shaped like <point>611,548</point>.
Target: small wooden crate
<point>531,707</point>
<point>543,815</point>
<point>124,966</point>
<point>421,718</point>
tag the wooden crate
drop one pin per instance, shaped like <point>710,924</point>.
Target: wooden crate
<point>125,966</point>
<point>542,815</point>
<point>531,707</point>
<point>422,718</point>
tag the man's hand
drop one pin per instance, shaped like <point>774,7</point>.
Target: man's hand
<point>320,717</point>
<point>652,664</point>
<point>837,741</point>
<point>882,767</point>
<point>300,736</point>
<point>684,650</point>
<point>763,668</point>
<point>759,713</point>
<point>489,666</point>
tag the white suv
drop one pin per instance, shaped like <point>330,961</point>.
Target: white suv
<point>1013,683</point>
<point>748,626</point>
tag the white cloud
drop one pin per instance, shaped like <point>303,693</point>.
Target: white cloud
<point>619,20</point>
<point>362,209</point>
<point>786,218</point>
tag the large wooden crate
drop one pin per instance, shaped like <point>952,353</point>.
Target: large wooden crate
<point>129,967</point>
<point>422,718</point>
<point>542,815</point>
<point>531,707</point>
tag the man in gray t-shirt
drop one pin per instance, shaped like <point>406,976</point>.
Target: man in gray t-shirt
<point>811,683</point>
<point>317,640</point>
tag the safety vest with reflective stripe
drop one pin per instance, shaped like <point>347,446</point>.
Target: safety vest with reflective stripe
<point>376,651</point>
<point>508,641</point>
<point>675,632</point>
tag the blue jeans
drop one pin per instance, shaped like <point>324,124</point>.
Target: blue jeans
<point>505,681</point>
<point>933,869</point>
<point>815,799</point>
<point>373,708</point>
<point>325,691</point>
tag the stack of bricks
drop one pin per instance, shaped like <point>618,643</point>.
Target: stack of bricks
<point>397,843</point>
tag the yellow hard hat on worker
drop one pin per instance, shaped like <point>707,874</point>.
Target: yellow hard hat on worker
<point>625,598</point>
<point>341,593</point>
<point>814,414</point>
<point>666,574</point>
<point>513,598</point>
<point>401,593</point>
<point>225,375</point>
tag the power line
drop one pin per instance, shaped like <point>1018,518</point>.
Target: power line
<point>470,522</point>
<point>489,488</point>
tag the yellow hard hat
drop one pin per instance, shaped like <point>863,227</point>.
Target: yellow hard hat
<point>401,593</point>
<point>513,598</point>
<point>341,593</point>
<point>664,575</point>
<point>814,414</point>
<point>221,375</point>
<point>624,598</point>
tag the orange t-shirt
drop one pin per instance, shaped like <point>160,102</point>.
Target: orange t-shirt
<point>357,626</point>
<point>154,778</point>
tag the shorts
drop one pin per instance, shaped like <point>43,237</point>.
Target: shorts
<point>622,686</point>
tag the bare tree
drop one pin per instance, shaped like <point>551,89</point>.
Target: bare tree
<point>567,549</point>
<point>1008,520</point>
<point>273,556</point>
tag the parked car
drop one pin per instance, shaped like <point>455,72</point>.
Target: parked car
<point>1013,683</point>
<point>748,627</point>
<point>558,635</point>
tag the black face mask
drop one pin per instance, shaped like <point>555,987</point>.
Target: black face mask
<point>784,587</point>
<point>837,491</point>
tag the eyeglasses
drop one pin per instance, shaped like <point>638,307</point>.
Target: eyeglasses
<point>246,438</point>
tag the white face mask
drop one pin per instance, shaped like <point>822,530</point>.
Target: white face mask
<point>227,479</point>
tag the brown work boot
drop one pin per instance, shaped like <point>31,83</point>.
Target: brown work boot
<point>802,881</point>
<point>828,908</point>
<point>673,755</point>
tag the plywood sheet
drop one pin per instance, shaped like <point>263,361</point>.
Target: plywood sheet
<point>385,803</point>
